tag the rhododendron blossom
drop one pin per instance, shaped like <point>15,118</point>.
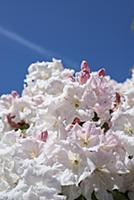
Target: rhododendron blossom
<point>68,136</point>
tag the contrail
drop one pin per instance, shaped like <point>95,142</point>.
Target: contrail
<point>26,43</point>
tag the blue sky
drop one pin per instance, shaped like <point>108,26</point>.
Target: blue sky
<point>71,30</point>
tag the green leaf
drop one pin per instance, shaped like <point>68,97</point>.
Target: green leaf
<point>24,127</point>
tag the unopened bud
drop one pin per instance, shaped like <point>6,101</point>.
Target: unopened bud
<point>102,72</point>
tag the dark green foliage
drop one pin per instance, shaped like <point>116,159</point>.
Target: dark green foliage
<point>80,198</point>
<point>93,196</point>
<point>95,117</point>
<point>24,127</point>
<point>119,195</point>
<point>105,126</point>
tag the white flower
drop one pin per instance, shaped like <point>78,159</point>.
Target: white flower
<point>87,136</point>
<point>29,148</point>
<point>41,182</point>
<point>99,181</point>
<point>123,127</point>
<point>73,164</point>
<point>69,134</point>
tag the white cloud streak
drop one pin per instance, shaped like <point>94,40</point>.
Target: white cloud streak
<point>28,44</point>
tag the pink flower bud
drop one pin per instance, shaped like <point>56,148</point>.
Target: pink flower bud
<point>76,120</point>
<point>85,72</point>
<point>118,98</point>
<point>85,66</point>
<point>101,72</point>
<point>70,126</point>
<point>43,136</point>
<point>14,94</point>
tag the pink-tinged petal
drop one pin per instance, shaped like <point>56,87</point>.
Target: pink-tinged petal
<point>110,142</point>
<point>70,126</point>
<point>84,76</point>
<point>102,72</point>
<point>10,121</point>
<point>43,136</point>
<point>70,77</point>
<point>86,135</point>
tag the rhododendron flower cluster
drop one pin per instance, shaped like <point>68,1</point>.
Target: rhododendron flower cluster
<point>69,136</point>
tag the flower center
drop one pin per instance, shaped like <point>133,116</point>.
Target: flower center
<point>86,142</point>
<point>128,129</point>
<point>44,75</point>
<point>76,103</point>
<point>74,158</point>
<point>33,154</point>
